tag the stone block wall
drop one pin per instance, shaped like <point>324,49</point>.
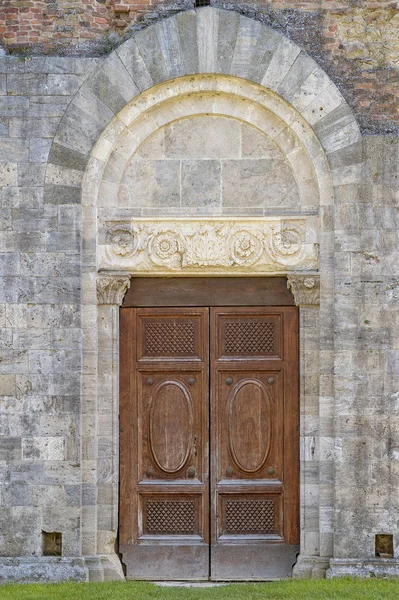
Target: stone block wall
<point>366,353</point>
<point>51,477</point>
<point>40,368</point>
<point>212,162</point>
<point>355,42</point>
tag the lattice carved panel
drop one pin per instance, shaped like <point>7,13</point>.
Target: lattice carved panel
<point>249,337</point>
<point>173,517</point>
<point>170,338</point>
<point>249,516</point>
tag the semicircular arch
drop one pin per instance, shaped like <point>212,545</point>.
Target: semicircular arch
<point>192,43</point>
<point>221,95</point>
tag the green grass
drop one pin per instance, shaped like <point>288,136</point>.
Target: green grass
<point>337,589</point>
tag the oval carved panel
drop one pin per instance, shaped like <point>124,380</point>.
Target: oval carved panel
<point>249,425</point>
<point>171,426</point>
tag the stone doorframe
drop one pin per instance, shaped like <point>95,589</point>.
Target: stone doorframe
<point>225,64</point>
<point>111,290</point>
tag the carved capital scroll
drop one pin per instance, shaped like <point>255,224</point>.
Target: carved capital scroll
<point>305,289</point>
<point>111,289</point>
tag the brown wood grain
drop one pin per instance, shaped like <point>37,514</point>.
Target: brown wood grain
<point>208,291</point>
<point>164,467</point>
<point>255,440</point>
<point>291,426</point>
<point>170,418</point>
<point>127,427</point>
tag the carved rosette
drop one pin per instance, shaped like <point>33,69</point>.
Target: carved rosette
<point>166,248</point>
<point>287,243</point>
<point>123,240</point>
<point>246,247</point>
<point>211,246</point>
<point>305,289</point>
<point>111,289</point>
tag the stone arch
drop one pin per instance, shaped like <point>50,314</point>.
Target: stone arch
<point>204,41</point>
<point>216,62</point>
<point>300,159</point>
<point>223,96</point>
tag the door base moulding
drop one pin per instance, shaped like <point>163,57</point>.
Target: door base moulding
<point>278,561</point>
<point>363,567</point>
<point>310,567</point>
<point>104,567</point>
<point>265,563</point>
<point>170,563</point>
<point>110,568</point>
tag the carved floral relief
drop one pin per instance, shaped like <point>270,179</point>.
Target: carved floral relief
<point>305,289</point>
<point>111,289</point>
<point>209,246</point>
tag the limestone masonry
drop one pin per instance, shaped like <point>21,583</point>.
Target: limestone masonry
<point>130,133</point>
<point>356,42</point>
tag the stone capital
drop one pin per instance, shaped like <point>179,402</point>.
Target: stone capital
<point>305,289</point>
<point>111,289</point>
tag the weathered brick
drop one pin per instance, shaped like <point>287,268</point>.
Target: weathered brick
<point>8,174</point>
<point>62,194</point>
<point>26,84</point>
<point>39,149</point>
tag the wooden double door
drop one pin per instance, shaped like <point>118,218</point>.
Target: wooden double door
<point>209,465</point>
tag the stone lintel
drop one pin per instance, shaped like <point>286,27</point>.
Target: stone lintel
<point>228,246</point>
<point>112,287</point>
<point>305,288</point>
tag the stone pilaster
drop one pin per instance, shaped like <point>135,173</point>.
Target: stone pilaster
<point>306,291</point>
<point>111,289</point>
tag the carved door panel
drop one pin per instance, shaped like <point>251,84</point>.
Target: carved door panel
<point>254,445</point>
<point>164,520</point>
<point>178,433</point>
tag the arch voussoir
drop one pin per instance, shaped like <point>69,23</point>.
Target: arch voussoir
<point>204,41</point>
